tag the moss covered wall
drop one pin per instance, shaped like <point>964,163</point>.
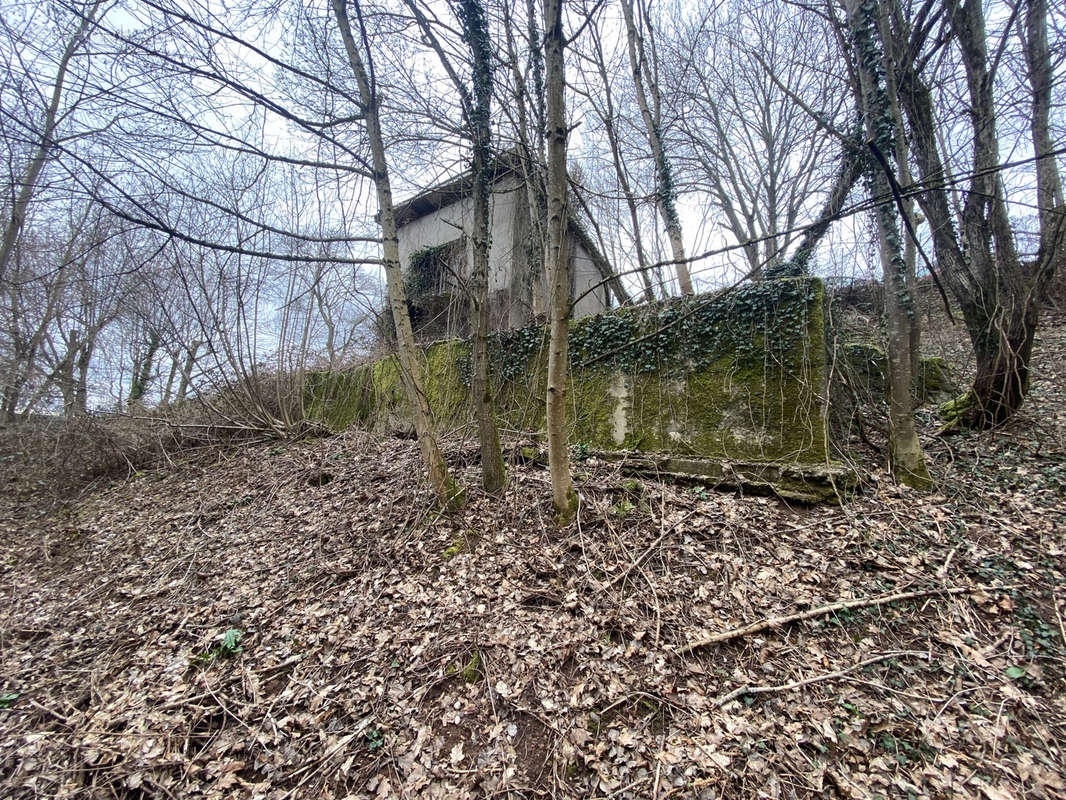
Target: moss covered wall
<point>740,377</point>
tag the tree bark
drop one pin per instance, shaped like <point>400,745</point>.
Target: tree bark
<point>168,387</point>
<point>557,261</point>
<point>142,370</point>
<point>907,461</point>
<point>410,362</point>
<point>653,130</point>
<point>186,370</point>
<point>81,387</point>
<point>889,47</point>
<point>475,30</point>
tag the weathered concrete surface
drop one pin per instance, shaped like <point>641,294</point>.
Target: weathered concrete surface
<point>735,379</point>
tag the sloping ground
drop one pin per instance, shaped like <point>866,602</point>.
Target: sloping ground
<point>386,652</point>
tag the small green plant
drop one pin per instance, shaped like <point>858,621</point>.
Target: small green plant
<point>464,540</point>
<point>374,738</point>
<point>471,673</point>
<point>227,648</point>
<point>8,698</point>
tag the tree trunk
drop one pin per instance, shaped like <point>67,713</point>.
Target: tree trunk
<point>557,262</point>
<point>1002,326</point>
<point>410,362</point>
<point>608,119</point>
<point>1002,377</point>
<point>81,389</point>
<point>186,370</point>
<point>64,371</point>
<point>168,387</point>
<point>142,370</point>
<point>889,45</point>
<point>653,130</point>
<point>907,461</point>
<point>28,182</point>
<point>530,119</point>
<point>475,29</point>
<point>998,293</point>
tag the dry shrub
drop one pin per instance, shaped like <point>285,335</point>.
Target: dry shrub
<point>45,459</point>
<point>270,403</point>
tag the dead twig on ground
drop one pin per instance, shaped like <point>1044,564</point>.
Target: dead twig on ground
<point>828,676</point>
<point>821,611</point>
<point>644,555</point>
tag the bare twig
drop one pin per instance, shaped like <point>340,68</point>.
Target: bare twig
<point>644,556</point>
<point>1058,616</point>
<point>787,687</point>
<point>821,611</point>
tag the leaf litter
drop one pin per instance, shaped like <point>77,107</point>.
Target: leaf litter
<point>245,626</point>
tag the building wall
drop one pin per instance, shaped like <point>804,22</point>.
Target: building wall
<point>746,382</point>
<point>448,223</point>
<point>511,304</point>
<point>583,277</point>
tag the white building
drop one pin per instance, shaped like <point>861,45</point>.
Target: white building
<point>434,229</point>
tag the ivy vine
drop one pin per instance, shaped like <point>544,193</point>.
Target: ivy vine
<point>758,322</point>
<point>425,269</point>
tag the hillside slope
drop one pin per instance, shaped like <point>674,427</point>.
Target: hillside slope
<point>294,621</point>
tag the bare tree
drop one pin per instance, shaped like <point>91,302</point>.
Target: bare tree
<point>599,94</point>
<point>749,141</point>
<point>557,262</point>
<point>41,137</point>
<point>999,291</point>
<point>476,104</point>
<point>649,99</point>
<point>873,99</point>
<point>411,368</point>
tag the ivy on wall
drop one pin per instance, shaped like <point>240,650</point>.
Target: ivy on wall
<point>427,268</point>
<point>762,320</point>
<point>740,376</point>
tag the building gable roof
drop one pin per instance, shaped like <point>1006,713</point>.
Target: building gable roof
<point>443,194</point>
<point>451,191</point>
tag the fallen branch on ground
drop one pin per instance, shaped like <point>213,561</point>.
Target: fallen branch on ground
<point>821,611</point>
<point>787,687</point>
<point>644,556</point>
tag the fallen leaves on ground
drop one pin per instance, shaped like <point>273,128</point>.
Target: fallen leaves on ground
<point>295,621</point>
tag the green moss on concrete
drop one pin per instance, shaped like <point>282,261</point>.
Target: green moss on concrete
<point>387,386</point>
<point>868,367</point>
<point>341,399</point>
<point>762,402</point>
<point>740,377</point>
<point>445,384</point>
<point>590,410</point>
<point>934,379</point>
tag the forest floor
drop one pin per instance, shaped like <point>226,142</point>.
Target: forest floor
<point>293,620</point>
